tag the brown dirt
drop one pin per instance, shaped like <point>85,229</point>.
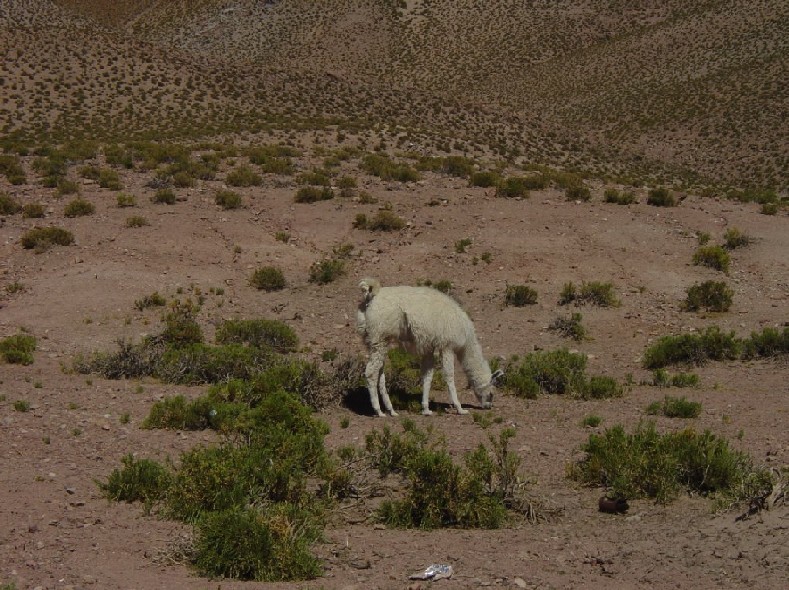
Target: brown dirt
<point>56,531</point>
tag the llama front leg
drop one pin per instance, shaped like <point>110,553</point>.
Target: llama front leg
<point>448,367</point>
<point>374,373</point>
<point>428,364</point>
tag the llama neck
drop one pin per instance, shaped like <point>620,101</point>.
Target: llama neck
<point>474,364</point>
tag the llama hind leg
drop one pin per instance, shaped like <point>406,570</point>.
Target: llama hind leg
<point>385,394</point>
<point>448,367</point>
<point>428,364</point>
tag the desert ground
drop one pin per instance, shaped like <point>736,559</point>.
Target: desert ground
<point>589,95</point>
<point>59,532</point>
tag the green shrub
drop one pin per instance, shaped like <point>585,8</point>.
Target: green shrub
<point>769,209</point>
<point>243,176</point>
<point>8,205</point>
<point>661,378</point>
<point>458,166</point>
<point>315,178</point>
<point>136,221</point>
<point>18,349</point>
<point>360,221</point>
<point>648,464</point>
<point>197,363</point>
<point>441,493</point>
<point>125,200</point>
<point>33,211</point>
<point>673,407</point>
<point>327,271</point>
<point>661,197</point>
<point>249,544</point>
<point>152,300</point>
<point>43,238</point>
<point>619,198</point>
<point>183,179</point>
<point>485,179</point>
<point>109,178</point>
<point>519,295</point>
<point>180,324</point>
<point>770,342</point>
<point>164,196</point>
<point>703,238</point>
<point>734,238</point>
<point>67,187</point>
<point>179,414</point>
<point>592,421</point>
<point>513,187</point>
<point>601,387</point>
<point>228,199</point>
<point>313,194</point>
<point>11,167</point>
<point>578,192</point>
<point>712,256</point>
<point>593,292</point>
<point>279,449</point>
<point>384,168</point>
<point>710,296</point>
<point>268,278</point>
<point>462,244</point>
<point>140,480</point>
<point>79,207</point>
<point>559,371</point>
<point>259,333</point>
<point>692,349</point>
<point>386,220</point>
<point>569,327</point>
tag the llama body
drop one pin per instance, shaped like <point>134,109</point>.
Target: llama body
<point>425,322</point>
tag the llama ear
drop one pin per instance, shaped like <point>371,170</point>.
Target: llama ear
<point>496,376</point>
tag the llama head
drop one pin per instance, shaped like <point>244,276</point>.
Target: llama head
<point>485,393</point>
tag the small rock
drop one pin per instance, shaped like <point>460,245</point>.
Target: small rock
<point>519,582</point>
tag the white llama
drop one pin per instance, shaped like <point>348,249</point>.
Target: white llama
<point>424,321</point>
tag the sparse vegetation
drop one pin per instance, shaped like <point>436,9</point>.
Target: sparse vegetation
<point>136,221</point>
<point>560,372</point>
<point>18,349</point>
<point>647,464</point>
<point>593,292</point>
<point>268,278</point>
<point>513,187</point>
<point>8,205</point>
<point>710,296</point>
<point>714,257</point>
<point>228,199</point>
<point>569,327</point>
<point>78,208</point>
<point>661,197</point>
<point>313,194</point>
<point>519,295</point>
<point>164,196</point>
<point>734,238</point>
<point>673,407</point>
<point>384,220</point>
<point>612,195</point>
<point>327,271</point>
<point>43,238</point>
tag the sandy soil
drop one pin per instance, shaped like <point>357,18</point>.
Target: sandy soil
<point>57,532</point>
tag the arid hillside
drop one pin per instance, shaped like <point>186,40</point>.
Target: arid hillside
<point>191,193</point>
<point>600,86</point>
